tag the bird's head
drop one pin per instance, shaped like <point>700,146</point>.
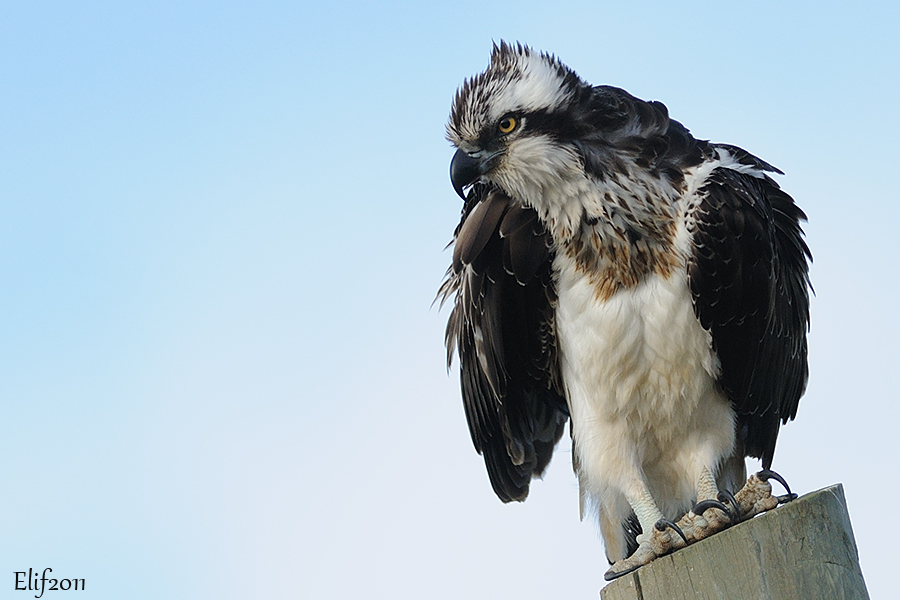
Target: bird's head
<point>510,124</point>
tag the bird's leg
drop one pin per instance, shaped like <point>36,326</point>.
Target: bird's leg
<point>713,512</point>
<point>717,511</point>
<point>756,495</point>
<point>754,498</point>
<point>710,515</point>
<point>660,536</point>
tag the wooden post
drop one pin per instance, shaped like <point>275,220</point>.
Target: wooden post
<point>802,550</point>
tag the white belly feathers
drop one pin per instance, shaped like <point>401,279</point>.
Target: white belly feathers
<point>640,376</point>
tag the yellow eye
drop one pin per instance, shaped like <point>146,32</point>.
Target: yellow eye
<point>507,124</point>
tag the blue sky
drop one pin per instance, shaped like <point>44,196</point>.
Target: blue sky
<point>222,227</point>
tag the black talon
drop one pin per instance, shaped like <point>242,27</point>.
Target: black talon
<point>726,495</point>
<point>767,474</point>
<point>702,507</point>
<point>609,575</point>
<point>664,524</point>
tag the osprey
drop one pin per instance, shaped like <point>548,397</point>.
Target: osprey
<point>611,269</point>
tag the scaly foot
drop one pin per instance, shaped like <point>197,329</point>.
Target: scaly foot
<point>705,519</point>
<point>665,537</point>
<point>756,496</point>
<point>711,516</point>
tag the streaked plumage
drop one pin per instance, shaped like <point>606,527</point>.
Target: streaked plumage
<point>610,267</point>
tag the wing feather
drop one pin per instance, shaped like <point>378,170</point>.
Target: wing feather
<point>750,284</point>
<point>477,229</point>
<point>502,326</point>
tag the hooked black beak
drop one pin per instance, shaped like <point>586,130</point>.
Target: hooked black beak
<point>465,169</point>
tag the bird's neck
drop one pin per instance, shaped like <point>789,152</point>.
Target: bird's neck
<point>617,233</point>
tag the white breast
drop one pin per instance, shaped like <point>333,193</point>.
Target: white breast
<point>640,376</point>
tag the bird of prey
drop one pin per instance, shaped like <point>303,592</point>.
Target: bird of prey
<point>612,270</point>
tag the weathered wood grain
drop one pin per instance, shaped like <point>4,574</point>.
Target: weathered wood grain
<point>802,550</point>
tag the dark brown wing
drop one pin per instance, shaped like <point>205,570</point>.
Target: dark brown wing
<point>503,329</point>
<point>750,283</point>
